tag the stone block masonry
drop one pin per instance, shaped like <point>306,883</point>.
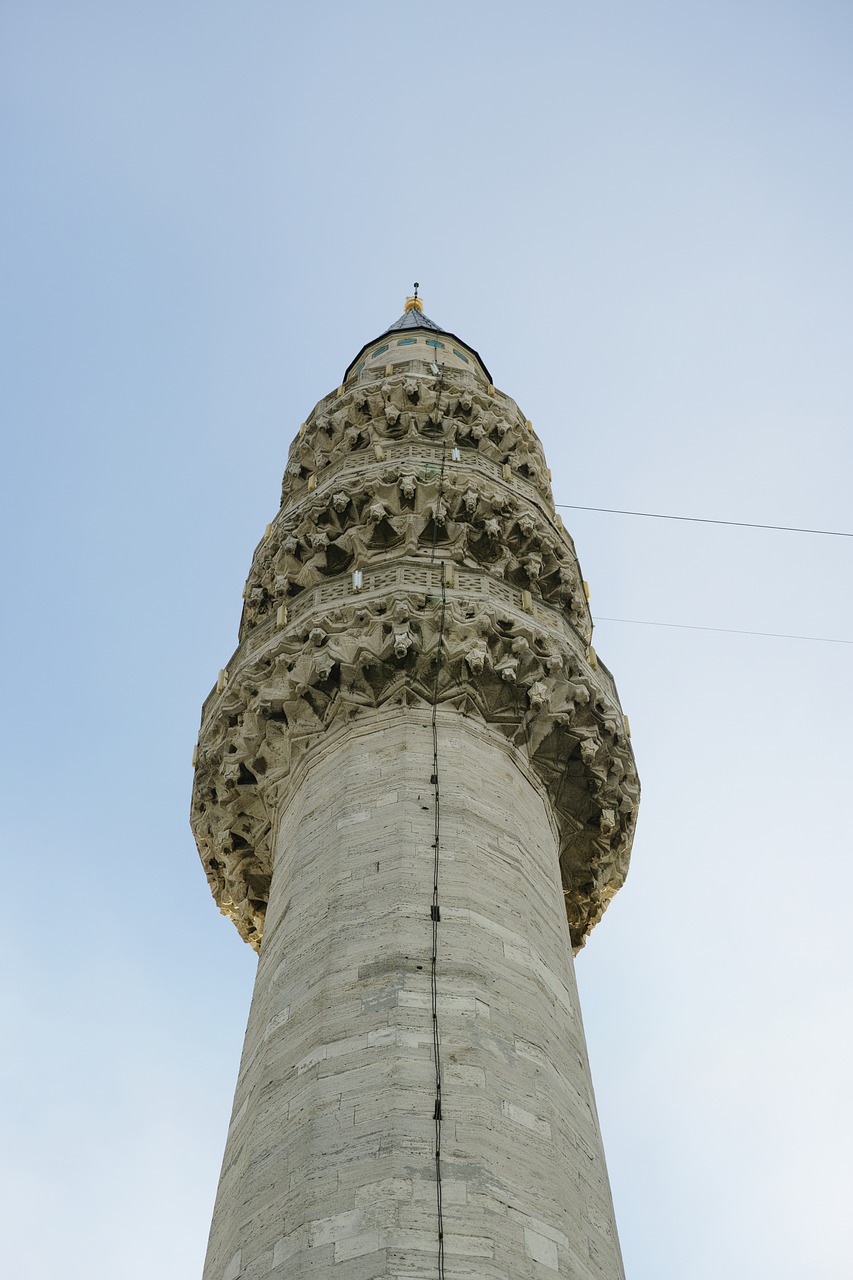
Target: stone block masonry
<point>414,796</point>
<point>330,1155</point>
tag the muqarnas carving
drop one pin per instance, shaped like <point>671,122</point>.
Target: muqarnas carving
<point>428,488</point>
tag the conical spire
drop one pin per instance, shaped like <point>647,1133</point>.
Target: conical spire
<point>414,318</point>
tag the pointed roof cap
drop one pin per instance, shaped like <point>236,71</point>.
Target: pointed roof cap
<point>413,317</point>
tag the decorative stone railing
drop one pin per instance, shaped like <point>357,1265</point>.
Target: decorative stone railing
<point>406,500</point>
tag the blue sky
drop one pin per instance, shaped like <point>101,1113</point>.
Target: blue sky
<point>639,215</point>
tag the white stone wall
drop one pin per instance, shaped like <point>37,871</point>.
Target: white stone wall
<point>329,1168</point>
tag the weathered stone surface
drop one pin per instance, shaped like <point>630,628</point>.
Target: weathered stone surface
<point>398,495</point>
<point>415,620</point>
<point>330,1153</point>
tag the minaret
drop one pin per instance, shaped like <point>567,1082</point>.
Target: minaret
<point>414,796</point>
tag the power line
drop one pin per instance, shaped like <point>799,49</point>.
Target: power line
<point>435,916</point>
<point>435,910</point>
<point>731,631</point>
<point>736,524</point>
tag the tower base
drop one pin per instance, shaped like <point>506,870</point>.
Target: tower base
<point>330,1163</point>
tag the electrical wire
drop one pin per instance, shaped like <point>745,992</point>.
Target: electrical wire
<point>730,631</point>
<point>435,915</point>
<point>736,524</point>
<point>435,912</point>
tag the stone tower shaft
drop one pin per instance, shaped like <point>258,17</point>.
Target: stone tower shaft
<point>414,795</point>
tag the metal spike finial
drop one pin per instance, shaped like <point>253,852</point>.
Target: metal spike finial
<point>414,303</point>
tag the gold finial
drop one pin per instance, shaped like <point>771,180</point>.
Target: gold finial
<point>414,303</point>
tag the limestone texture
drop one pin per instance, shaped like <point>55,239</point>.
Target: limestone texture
<point>414,795</point>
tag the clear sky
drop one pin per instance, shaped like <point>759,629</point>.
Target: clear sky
<point>640,214</point>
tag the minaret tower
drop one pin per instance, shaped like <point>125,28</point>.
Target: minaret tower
<point>414,796</point>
